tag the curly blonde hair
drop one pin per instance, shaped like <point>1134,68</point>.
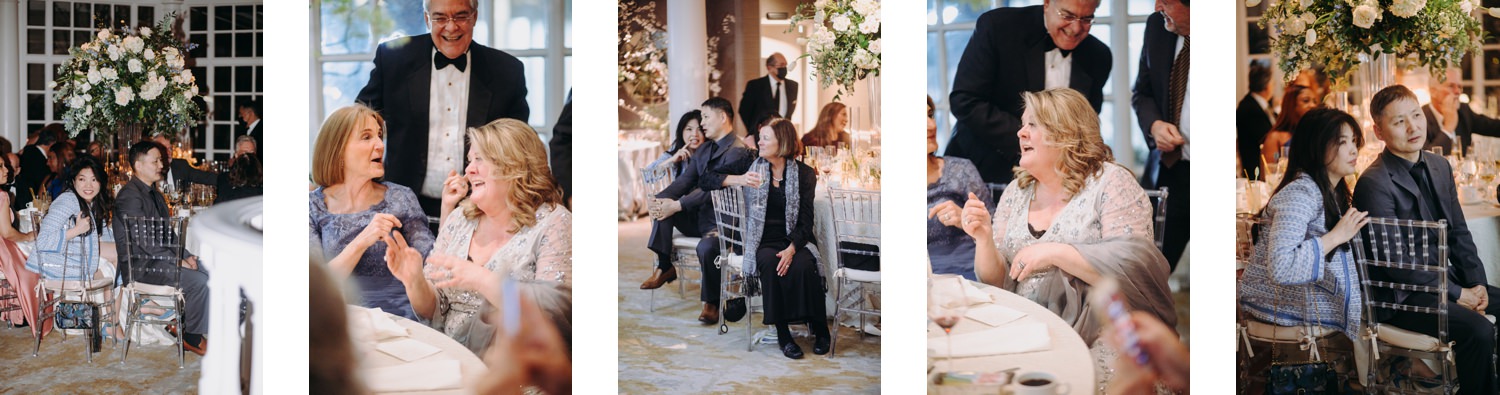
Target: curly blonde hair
<point>518,157</point>
<point>1073,126</point>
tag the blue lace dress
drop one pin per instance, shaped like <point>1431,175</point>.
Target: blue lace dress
<point>950,249</point>
<point>332,232</point>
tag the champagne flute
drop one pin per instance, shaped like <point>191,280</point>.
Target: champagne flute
<point>946,304</point>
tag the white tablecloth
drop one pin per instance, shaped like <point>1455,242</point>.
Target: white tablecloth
<point>634,155</point>
<point>227,240</point>
<point>1068,358</point>
<point>472,367</point>
<point>1484,224</point>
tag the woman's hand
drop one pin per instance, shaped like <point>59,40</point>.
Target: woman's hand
<point>750,179</point>
<point>1347,227</point>
<point>786,260</point>
<point>1168,363</point>
<point>454,189</point>
<point>81,225</point>
<point>379,229</point>
<point>1034,259</point>
<point>462,273</point>
<point>947,213</point>
<point>404,261</point>
<point>534,355</point>
<point>976,220</point>
<point>682,154</point>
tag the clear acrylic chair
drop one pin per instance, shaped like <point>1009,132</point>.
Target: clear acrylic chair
<point>1158,199</point>
<point>1396,245</point>
<point>730,217</point>
<point>152,239</point>
<point>856,220</point>
<point>10,300</point>
<point>85,290</point>
<point>684,249</point>
<point>996,189</point>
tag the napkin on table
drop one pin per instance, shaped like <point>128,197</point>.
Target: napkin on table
<point>383,326</point>
<point>1009,339</point>
<point>407,349</point>
<point>440,374</point>
<point>994,314</point>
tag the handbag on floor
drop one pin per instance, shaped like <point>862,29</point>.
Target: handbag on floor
<point>1313,376</point>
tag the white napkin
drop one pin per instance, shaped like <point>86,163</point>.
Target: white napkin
<point>994,315</point>
<point>976,295</point>
<point>407,349</point>
<point>443,374</point>
<point>1010,339</point>
<point>383,326</point>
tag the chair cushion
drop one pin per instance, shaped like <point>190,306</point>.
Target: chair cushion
<point>685,242</point>
<point>151,289</point>
<point>1268,332</point>
<point>1407,339</point>
<point>863,276</point>
<point>734,261</point>
<point>97,282</point>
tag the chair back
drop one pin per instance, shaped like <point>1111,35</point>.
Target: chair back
<point>730,215</point>
<point>656,178</point>
<point>1159,216</point>
<point>148,239</point>
<point>1390,245</point>
<point>856,219</point>
<point>1246,230</point>
<point>996,189</point>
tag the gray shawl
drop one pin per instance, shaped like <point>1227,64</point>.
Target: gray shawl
<point>756,199</point>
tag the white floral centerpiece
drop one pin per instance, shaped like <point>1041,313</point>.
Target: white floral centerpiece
<point>844,42</point>
<point>1334,33</point>
<point>128,79</point>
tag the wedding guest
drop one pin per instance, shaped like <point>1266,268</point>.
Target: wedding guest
<point>1071,217</point>
<point>242,180</point>
<point>1016,50</point>
<point>769,96</point>
<point>832,128</point>
<point>334,371</point>
<point>1303,270</point>
<point>96,149</point>
<point>74,242</point>
<point>701,173</point>
<point>689,137</point>
<point>949,181</point>
<point>13,261</point>
<point>537,356</point>
<point>1161,101</point>
<point>510,221</point>
<point>1297,100</point>
<point>779,191</point>
<point>178,170</point>
<point>5,146</point>
<point>1315,79</point>
<point>245,145</point>
<point>1449,120</point>
<point>1408,183</point>
<point>1167,368</point>
<point>431,87</point>
<point>560,150</point>
<point>249,112</point>
<point>140,198</point>
<point>1253,119</point>
<point>358,218</point>
<point>59,157</point>
<point>35,166</point>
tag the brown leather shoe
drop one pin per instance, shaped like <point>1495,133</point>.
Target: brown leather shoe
<point>660,278</point>
<point>200,348</point>
<point>710,314</point>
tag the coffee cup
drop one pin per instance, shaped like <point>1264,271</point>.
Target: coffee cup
<point>1038,383</point>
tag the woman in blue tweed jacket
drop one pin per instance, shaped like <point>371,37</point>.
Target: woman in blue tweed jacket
<point>1302,271</point>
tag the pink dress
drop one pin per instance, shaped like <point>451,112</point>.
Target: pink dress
<point>13,264</point>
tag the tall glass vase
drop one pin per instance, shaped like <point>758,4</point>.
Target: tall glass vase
<point>126,134</point>
<point>1376,72</point>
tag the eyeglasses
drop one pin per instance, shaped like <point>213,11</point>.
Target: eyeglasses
<point>460,19</point>
<point>1068,17</point>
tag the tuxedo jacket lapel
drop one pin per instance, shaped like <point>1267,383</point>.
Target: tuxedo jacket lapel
<point>1036,63</point>
<point>479,92</point>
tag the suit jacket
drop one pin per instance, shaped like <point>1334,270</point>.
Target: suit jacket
<point>400,89</point>
<point>136,199</point>
<point>561,149</point>
<point>1469,124</point>
<point>756,103</point>
<point>1251,125</point>
<point>1387,189</point>
<point>702,174</point>
<point>181,170</point>
<point>1005,57</point>
<point>255,133</point>
<point>1149,95</point>
<point>33,171</point>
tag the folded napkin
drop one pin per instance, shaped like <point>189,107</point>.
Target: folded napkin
<point>976,295</point>
<point>383,326</point>
<point>443,374</point>
<point>1009,339</point>
<point>994,314</point>
<point>407,349</point>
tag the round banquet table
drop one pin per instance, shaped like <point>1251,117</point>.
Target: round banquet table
<point>1484,225</point>
<point>472,368</point>
<point>227,240</point>
<point>635,154</point>
<point>1068,358</point>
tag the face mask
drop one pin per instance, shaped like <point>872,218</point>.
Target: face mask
<point>781,73</point>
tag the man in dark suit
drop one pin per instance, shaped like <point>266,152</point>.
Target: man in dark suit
<point>432,87</point>
<point>250,115</point>
<point>687,196</point>
<point>34,165</point>
<point>772,95</point>
<point>1254,118</point>
<point>137,199</point>
<point>1448,119</point>
<point>1160,98</point>
<point>560,148</point>
<point>1016,50</point>
<point>1408,183</point>
<point>179,169</point>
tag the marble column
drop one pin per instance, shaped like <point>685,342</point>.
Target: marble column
<point>10,74</point>
<point>687,70</point>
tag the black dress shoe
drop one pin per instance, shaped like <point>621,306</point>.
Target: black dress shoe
<point>820,345</point>
<point>790,350</point>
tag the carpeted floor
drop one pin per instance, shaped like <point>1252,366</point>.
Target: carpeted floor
<point>60,368</point>
<point>669,351</point>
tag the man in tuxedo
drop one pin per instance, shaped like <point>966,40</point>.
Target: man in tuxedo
<point>560,148</point>
<point>1160,98</point>
<point>432,87</point>
<point>35,167</point>
<point>137,199</point>
<point>687,199</point>
<point>1408,183</point>
<point>1448,120</point>
<point>1254,118</point>
<point>1014,50</point>
<point>772,95</point>
<point>179,169</point>
<point>250,115</point>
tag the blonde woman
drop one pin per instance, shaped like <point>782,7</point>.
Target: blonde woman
<point>503,215</point>
<point>1071,218</point>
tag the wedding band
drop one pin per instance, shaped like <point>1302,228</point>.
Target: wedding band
<point>1021,264</point>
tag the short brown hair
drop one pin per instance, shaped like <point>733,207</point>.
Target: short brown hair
<point>517,154</point>
<point>787,144</point>
<point>328,151</point>
<point>1387,96</point>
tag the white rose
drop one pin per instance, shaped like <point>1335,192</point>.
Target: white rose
<point>85,87</point>
<point>869,26</point>
<point>134,65</point>
<point>146,32</point>
<point>875,47</point>
<point>1312,37</point>
<point>109,74</point>
<point>148,54</point>
<point>1252,3</point>
<point>1407,8</point>
<point>187,76</point>
<point>51,85</point>
<point>1306,3</point>
<point>822,3</point>
<point>75,102</point>
<point>134,44</point>
<point>188,93</point>
<point>103,34</point>
<point>819,17</point>
<point>1365,16</point>
<point>867,7</point>
<point>841,22</point>
<point>88,97</point>
<point>94,76</point>
<point>170,52</point>
<point>115,52</point>
<point>1295,26</point>
<point>123,96</point>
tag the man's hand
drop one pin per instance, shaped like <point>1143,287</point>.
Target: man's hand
<point>1166,135</point>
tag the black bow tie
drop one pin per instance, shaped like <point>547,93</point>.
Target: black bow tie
<point>439,61</point>
<point>1049,45</point>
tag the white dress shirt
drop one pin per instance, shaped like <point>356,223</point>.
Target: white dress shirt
<point>778,89</point>
<point>1059,69</point>
<point>446,120</point>
<point>1438,116</point>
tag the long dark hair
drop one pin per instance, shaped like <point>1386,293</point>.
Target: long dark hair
<point>1289,117</point>
<point>678,142</point>
<point>1318,131</point>
<point>245,171</point>
<point>104,204</point>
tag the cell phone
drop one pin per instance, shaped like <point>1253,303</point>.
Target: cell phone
<point>1109,307</point>
<point>510,296</point>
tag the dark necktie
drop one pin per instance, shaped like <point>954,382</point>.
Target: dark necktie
<point>1428,201</point>
<point>776,97</point>
<point>439,61</point>
<point>1177,85</point>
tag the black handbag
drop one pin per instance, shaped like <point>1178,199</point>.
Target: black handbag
<point>75,315</point>
<point>734,309</point>
<point>1313,376</point>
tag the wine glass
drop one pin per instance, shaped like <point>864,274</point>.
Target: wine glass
<point>946,304</point>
